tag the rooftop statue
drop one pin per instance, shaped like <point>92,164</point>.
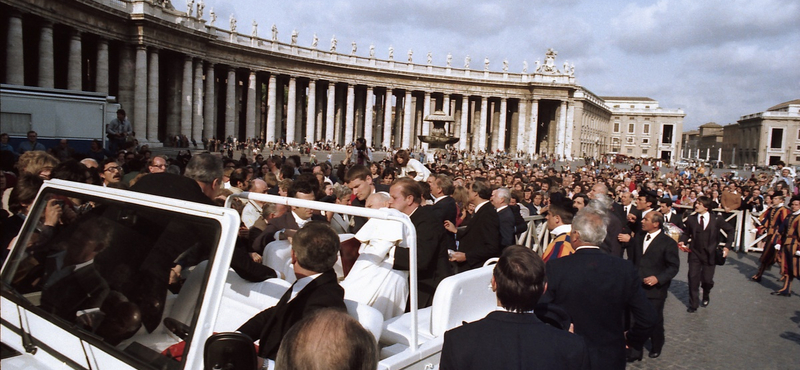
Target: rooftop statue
<point>294,37</point>
<point>233,24</point>
<point>333,44</point>
<point>430,58</point>
<point>354,48</point>
<point>410,55</point>
<point>449,59</point>
<point>466,62</point>
<point>212,17</point>
<point>254,33</point>
<point>524,66</point>
<point>189,8</point>
<point>274,32</point>
<point>372,51</point>
<point>505,65</point>
<point>486,64</point>
<point>391,53</point>
<point>314,41</point>
<point>200,6</point>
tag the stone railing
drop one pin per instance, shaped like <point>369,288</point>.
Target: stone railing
<point>770,114</point>
<point>659,111</point>
<point>139,8</point>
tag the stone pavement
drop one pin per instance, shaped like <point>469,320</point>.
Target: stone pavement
<point>744,327</point>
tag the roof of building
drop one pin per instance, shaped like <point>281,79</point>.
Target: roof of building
<point>784,105</point>
<point>710,125</point>
<point>638,98</point>
<point>692,132</point>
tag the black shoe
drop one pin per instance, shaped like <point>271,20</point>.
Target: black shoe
<point>634,355</point>
<point>691,310</point>
<point>782,293</point>
<point>654,354</point>
<point>705,302</point>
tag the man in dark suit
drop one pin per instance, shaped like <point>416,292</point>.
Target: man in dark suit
<point>314,252</point>
<point>359,179</point>
<point>596,289</point>
<point>670,215</point>
<point>433,241</point>
<point>505,215</point>
<point>701,240</point>
<point>292,220</point>
<point>480,240</point>
<point>514,338</point>
<point>656,258</point>
<point>443,203</point>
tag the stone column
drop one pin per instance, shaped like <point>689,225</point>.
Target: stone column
<point>329,112</point>
<point>462,144</point>
<point>349,119</point>
<point>561,129</point>
<point>197,118</point>
<point>368,121</point>
<point>446,103</point>
<point>533,126</point>
<point>570,128</point>
<point>426,110</point>
<point>250,107</point>
<point>15,63</point>
<point>272,100</point>
<point>140,93</point>
<point>387,119</point>
<point>126,78</point>
<point>291,111</point>
<point>482,126</point>
<point>311,111</point>
<point>407,120</point>
<point>209,117</point>
<point>46,78</point>
<point>74,77</point>
<point>521,120</point>
<point>186,97</point>
<point>230,104</point>
<point>152,98</point>
<point>494,126</point>
<point>101,77</point>
<point>501,132</point>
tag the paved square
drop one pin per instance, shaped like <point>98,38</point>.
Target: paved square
<point>744,327</point>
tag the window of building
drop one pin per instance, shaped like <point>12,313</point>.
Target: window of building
<point>647,118</point>
<point>646,129</point>
<point>645,140</point>
<point>776,140</point>
<point>616,106</point>
<point>798,134</point>
<point>647,107</point>
<point>616,126</point>
<point>629,140</point>
<point>615,140</point>
<point>798,148</point>
<point>632,118</point>
<point>666,135</point>
<point>644,151</point>
<point>630,151</point>
<point>633,106</point>
<point>631,128</point>
<point>797,159</point>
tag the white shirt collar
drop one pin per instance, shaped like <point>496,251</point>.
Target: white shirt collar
<point>300,284</point>
<point>587,247</point>
<point>480,205</point>
<point>502,208</point>
<point>436,200</point>
<point>300,222</point>
<point>654,234</point>
<point>563,229</point>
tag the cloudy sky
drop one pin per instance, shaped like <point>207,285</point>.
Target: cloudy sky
<point>715,59</point>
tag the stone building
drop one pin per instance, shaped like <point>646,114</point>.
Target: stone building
<point>731,144</point>
<point>690,144</point>
<point>771,136</point>
<point>641,128</point>
<point>196,74</point>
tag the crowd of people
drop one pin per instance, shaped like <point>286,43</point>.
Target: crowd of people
<point>465,213</point>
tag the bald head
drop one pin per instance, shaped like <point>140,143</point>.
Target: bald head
<point>378,200</point>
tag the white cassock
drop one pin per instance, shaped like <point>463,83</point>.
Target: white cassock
<point>372,280</point>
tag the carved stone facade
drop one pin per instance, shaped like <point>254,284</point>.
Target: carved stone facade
<point>770,136</point>
<point>176,73</point>
<point>641,128</point>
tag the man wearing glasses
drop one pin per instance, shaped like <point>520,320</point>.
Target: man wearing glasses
<point>157,164</point>
<point>112,172</point>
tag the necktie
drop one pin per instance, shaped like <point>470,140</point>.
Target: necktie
<point>647,239</point>
<point>702,223</point>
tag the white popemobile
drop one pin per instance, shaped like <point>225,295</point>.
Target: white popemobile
<point>113,309</point>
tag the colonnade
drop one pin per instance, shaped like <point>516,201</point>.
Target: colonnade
<point>168,93</point>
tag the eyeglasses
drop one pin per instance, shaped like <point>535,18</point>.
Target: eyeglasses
<point>115,168</point>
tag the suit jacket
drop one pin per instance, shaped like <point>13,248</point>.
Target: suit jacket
<point>285,221</point>
<point>661,260</point>
<point>520,226</point>
<point>506,340</point>
<point>703,243</point>
<point>596,289</point>
<point>611,243</point>
<point>433,241</point>
<point>271,325</point>
<point>506,220</point>
<point>480,240</point>
<point>446,209</point>
<point>675,219</point>
<point>82,289</point>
